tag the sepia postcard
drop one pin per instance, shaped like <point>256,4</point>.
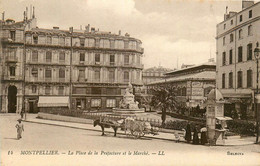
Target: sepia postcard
<point>129,82</point>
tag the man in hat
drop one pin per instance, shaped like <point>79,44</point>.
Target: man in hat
<point>19,128</point>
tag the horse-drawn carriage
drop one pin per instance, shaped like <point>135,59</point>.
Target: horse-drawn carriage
<point>131,126</point>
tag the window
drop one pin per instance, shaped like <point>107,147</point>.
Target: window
<point>250,14</point>
<point>97,75</point>
<point>239,79</point>
<point>62,41</point>
<point>49,40</point>
<point>126,44</point>
<point>126,76</point>
<point>223,80</point>
<point>230,78</point>
<point>96,103</point>
<point>111,76</point>
<point>249,78</point>
<point>48,56</point>
<point>111,103</point>
<point>241,18</point>
<point>81,75</point>
<point>81,57</point>
<point>240,54</point>
<point>47,90</point>
<point>250,30</point>
<point>62,57</point>
<point>240,34</point>
<point>230,56</point>
<point>35,56</point>
<point>97,42</point>
<point>12,35</point>
<point>12,70</point>
<point>34,88</point>
<point>82,42</point>
<point>138,59</point>
<point>224,58</point>
<point>112,59</point>
<point>126,59</point>
<point>231,22</point>
<point>224,26</point>
<point>61,90</point>
<point>62,73</point>
<point>112,44</point>
<point>249,51</point>
<point>231,38</point>
<point>47,73</point>
<point>35,39</point>
<point>34,72</point>
<point>97,58</point>
<point>224,40</point>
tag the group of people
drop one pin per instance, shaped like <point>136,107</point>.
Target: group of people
<point>195,138</point>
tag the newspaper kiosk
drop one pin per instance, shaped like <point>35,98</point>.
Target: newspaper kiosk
<point>215,120</point>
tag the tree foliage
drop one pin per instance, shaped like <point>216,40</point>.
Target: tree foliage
<point>164,98</point>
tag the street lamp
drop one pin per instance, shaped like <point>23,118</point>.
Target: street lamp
<point>256,54</point>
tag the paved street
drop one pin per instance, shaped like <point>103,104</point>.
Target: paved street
<point>110,150</point>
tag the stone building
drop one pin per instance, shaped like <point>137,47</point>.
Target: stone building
<point>193,83</point>
<point>154,74</point>
<point>90,67</point>
<point>236,39</point>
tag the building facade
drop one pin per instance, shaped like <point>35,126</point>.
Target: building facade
<point>192,83</point>
<point>236,39</point>
<point>91,67</point>
<point>154,74</point>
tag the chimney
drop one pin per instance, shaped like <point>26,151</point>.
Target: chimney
<point>119,33</point>
<point>3,16</point>
<point>246,4</point>
<point>127,35</point>
<point>56,28</point>
<point>92,29</point>
<point>26,13</point>
<point>33,15</point>
<point>71,29</point>
<point>87,28</point>
<point>226,16</point>
<point>232,13</point>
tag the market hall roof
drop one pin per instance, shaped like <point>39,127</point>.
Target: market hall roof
<point>205,71</point>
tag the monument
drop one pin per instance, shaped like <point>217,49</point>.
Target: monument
<point>128,105</point>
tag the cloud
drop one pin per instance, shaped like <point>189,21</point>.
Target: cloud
<point>168,29</point>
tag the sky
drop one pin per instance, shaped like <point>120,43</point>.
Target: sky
<point>173,32</point>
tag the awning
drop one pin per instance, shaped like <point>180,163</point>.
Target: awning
<point>224,118</point>
<point>50,101</point>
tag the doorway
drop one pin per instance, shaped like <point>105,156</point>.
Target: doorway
<point>12,99</point>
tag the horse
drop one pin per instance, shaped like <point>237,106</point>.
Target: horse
<point>107,124</point>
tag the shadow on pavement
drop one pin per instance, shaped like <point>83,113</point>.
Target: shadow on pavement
<point>11,138</point>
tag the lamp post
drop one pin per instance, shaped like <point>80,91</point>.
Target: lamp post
<point>256,54</point>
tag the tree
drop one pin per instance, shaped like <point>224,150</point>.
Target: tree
<point>164,97</point>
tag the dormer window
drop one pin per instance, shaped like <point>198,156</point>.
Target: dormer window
<point>35,39</point>
<point>12,35</point>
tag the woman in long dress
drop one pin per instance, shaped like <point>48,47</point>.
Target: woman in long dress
<point>188,133</point>
<point>19,128</point>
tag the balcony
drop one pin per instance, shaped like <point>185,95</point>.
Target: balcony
<point>14,78</point>
<point>11,59</point>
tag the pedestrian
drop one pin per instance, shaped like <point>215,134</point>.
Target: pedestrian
<point>19,128</point>
<point>195,139</point>
<point>203,139</point>
<point>22,113</point>
<point>188,133</point>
